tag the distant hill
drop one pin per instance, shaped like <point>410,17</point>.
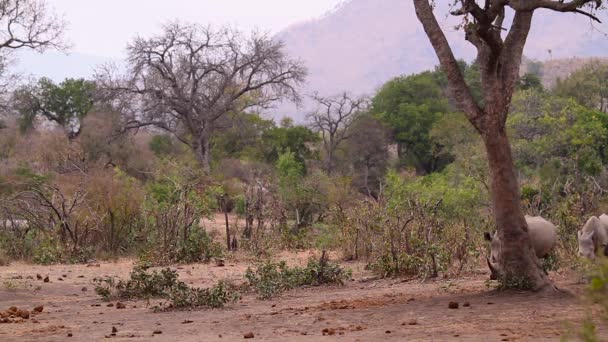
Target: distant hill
<point>562,68</point>
<point>363,43</point>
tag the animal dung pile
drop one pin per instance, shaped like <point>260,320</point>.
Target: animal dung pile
<point>16,315</point>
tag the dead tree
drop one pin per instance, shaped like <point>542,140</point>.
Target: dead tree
<point>27,25</point>
<point>499,59</point>
<point>332,119</point>
<point>186,80</point>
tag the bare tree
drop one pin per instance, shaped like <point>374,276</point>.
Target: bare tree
<point>499,59</point>
<point>333,117</point>
<point>27,24</point>
<point>187,79</point>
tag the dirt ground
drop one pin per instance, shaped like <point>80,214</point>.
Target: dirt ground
<point>364,309</point>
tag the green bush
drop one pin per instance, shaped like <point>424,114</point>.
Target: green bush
<point>198,247</point>
<point>47,253</point>
<point>166,285</point>
<point>273,278</point>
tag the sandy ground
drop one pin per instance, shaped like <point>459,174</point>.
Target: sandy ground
<point>363,310</point>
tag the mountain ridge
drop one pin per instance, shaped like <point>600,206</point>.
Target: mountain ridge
<point>361,44</point>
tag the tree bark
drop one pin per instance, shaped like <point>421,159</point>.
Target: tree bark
<point>228,240</point>
<point>202,151</point>
<point>520,268</point>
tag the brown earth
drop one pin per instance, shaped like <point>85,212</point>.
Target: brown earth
<point>365,309</point>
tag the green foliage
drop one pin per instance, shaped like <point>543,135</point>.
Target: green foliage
<point>530,81</point>
<point>545,129</point>
<point>289,168</point>
<point>273,278</point>
<point>66,103</point>
<point>596,293</point>
<point>48,252</point>
<point>165,285</point>
<point>244,139</point>
<point>588,86</point>
<point>175,202</point>
<point>422,227</point>
<point>294,139</point>
<point>410,105</point>
<point>162,145</point>
<point>198,247</point>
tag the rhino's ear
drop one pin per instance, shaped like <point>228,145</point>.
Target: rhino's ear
<point>487,236</point>
<point>590,235</point>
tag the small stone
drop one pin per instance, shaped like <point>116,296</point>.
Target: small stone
<point>24,314</point>
<point>114,330</point>
<point>466,304</point>
<point>248,335</point>
<point>84,289</point>
<point>157,332</point>
<point>120,305</point>
<point>60,279</point>
<point>38,276</point>
<point>187,321</point>
<point>453,305</point>
<point>490,303</point>
<point>387,332</point>
<point>46,279</point>
<point>12,309</point>
<point>80,276</point>
<point>64,275</point>
<point>70,335</point>
<point>412,322</point>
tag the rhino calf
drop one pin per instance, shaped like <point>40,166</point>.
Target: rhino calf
<point>543,236</point>
<point>593,238</point>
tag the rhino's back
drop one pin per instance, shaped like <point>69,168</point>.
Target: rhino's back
<point>602,231</point>
<point>543,235</point>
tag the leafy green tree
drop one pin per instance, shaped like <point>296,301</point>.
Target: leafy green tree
<point>291,174</point>
<point>530,81</point>
<point>243,138</point>
<point>548,131</point>
<point>410,105</point>
<point>295,139</point>
<point>66,103</point>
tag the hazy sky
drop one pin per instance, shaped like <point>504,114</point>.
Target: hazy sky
<point>103,28</point>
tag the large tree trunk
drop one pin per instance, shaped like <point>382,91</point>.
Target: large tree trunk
<point>330,159</point>
<point>520,268</point>
<point>202,151</point>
